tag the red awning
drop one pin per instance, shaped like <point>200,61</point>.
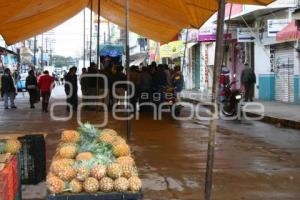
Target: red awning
<point>289,33</point>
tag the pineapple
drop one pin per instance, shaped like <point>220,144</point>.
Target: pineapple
<point>66,172</point>
<point>110,132</point>
<point>98,171</point>
<point>75,186</point>
<point>121,149</point>
<point>118,140</point>
<point>84,156</point>
<point>125,160</point>
<point>106,184</point>
<point>114,170</point>
<point>82,173</point>
<point>55,185</point>
<point>57,164</point>
<point>91,185</point>
<point>68,150</point>
<point>70,136</point>
<point>135,184</point>
<point>129,171</point>
<point>12,146</point>
<point>107,138</point>
<point>121,184</point>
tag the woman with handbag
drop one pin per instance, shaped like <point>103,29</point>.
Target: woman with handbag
<point>31,86</point>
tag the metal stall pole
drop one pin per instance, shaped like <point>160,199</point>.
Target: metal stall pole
<point>91,30</point>
<point>98,48</point>
<point>219,52</point>
<point>128,131</point>
<point>98,37</point>
<point>84,37</point>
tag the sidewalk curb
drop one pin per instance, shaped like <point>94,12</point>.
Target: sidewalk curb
<point>267,119</point>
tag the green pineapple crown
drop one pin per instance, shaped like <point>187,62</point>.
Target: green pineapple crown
<point>102,152</point>
<point>88,132</point>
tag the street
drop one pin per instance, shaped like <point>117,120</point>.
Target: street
<point>253,160</point>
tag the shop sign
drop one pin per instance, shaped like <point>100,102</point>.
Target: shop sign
<point>276,25</point>
<point>246,34</point>
<point>208,34</point>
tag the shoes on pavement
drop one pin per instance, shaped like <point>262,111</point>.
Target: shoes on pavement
<point>32,106</point>
<point>13,107</point>
<point>6,108</point>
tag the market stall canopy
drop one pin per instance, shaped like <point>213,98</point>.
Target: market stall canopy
<point>157,20</point>
<point>289,33</point>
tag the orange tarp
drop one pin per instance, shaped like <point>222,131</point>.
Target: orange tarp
<point>159,20</point>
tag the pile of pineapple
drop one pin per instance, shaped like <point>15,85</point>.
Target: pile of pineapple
<point>91,160</point>
<point>10,146</point>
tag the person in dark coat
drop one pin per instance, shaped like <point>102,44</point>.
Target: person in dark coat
<point>71,88</point>
<point>248,80</point>
<point>177,79</point>
<point>159,78</point>
<point>8,90</point>
<point>32,86</point>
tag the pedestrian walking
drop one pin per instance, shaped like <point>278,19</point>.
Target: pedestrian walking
<point>248,80</point>
<point>120,88</point>
<point>32,87</point>
<point>61,78</point>
<point>134,77</point>
<point>8,89</point>
<point>71,89</point>
<point>46,84</point>
<point>159,79</point>
<point>83,83</point>
<point>177,81</point>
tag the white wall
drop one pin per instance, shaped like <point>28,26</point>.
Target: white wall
<point>262,59</point>
<point>261,63</point>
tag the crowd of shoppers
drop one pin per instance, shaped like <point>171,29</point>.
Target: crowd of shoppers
<point>95,82</point>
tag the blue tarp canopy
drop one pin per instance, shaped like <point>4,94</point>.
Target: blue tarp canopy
<point>111,50</point>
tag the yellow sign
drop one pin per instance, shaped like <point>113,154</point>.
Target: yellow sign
<point>172,50</point>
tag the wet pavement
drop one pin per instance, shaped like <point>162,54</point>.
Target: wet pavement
<point>253,160</point>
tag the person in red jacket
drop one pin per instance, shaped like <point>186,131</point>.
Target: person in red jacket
<point>46,83</point>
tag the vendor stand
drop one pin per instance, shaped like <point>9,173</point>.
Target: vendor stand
<point>10,170</point>
<point>93,164</point>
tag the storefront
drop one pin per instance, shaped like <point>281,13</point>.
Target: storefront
<point>284,71</point>
<point>206,39</point>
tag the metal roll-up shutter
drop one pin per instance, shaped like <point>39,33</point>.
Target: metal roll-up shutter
<point>284,62</point>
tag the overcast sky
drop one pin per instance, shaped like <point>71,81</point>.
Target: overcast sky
<point>69,36</point>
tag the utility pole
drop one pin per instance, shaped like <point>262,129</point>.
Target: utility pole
<point>34,52</point>
<point>219,53</point>
<point>42,52</point>
<point>108,32</point>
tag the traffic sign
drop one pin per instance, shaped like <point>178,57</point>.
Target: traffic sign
<point>276,25</point>
<point>246,34</point>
